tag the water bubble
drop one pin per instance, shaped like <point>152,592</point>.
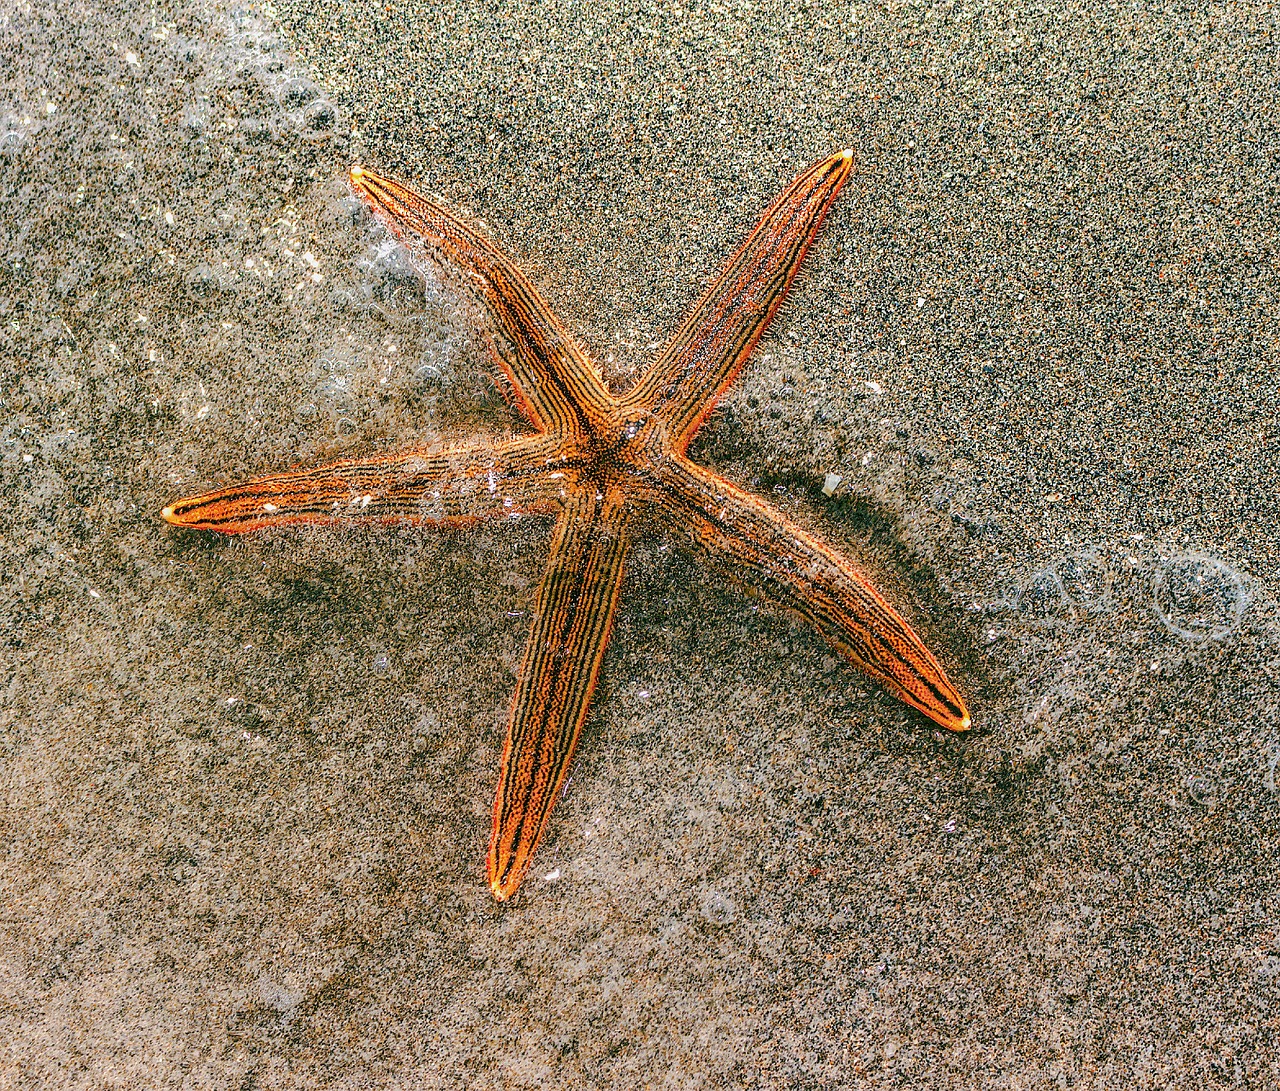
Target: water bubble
<point>432,374</point>
<point>344,210</point>
<point>717,909</point>
<point>1086,582</point>
<point>282,999</point>
<point>268,70</point>
<point>203,282</point>
<point>184,50</point>
<point>295,94</point>
<point>396,286</point>
<point>1202,790</point>
<point>13,134</point>
<point>381,665</point>
<point>318,120</point>
<point>195,116</point>
<point>1068,589</point>
<point>347,300</point>
<point>258,130</point>
<point>335,397</point>
<point>1199,598</point>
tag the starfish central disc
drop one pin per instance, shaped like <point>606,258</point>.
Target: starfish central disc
<point>635,439</point>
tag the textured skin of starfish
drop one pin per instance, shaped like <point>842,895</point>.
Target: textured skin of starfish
<point>595,462</point>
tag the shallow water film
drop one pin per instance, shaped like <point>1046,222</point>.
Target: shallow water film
<point>1026,379</point>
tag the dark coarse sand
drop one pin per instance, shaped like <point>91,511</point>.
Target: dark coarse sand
<point>246,784</point>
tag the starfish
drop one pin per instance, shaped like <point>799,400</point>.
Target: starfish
<point>598,462</point>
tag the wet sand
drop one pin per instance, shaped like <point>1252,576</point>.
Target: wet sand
<point>247,782</point>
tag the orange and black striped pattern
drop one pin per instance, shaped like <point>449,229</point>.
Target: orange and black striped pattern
<point>596,461</point>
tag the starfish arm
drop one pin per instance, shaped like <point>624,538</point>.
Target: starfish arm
<point>572,621</point>
<point>554,383</point>
<point>801,574</point>
<point>456,485</point>
<point>718,334</point>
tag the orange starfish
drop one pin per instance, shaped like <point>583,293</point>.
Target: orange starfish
<point>596,461</point>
